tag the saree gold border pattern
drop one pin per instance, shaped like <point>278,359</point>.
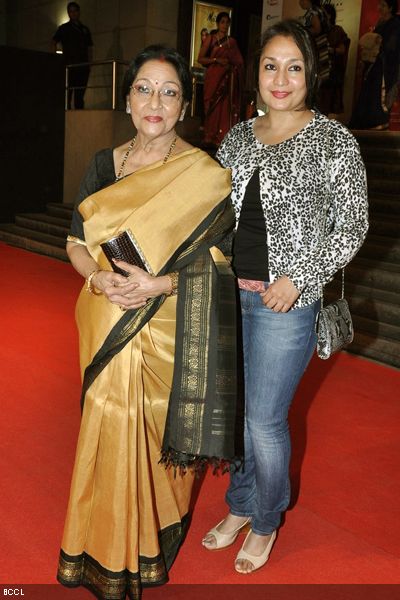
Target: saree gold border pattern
<point>85,570</point>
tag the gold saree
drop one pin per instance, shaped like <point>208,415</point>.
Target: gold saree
<point>127,513</point>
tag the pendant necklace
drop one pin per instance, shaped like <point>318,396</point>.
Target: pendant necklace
<point>226,38</point>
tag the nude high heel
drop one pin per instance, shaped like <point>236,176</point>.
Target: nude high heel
<point>256,561</point>
<point>224,539</point>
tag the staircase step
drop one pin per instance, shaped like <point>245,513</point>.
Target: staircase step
<point>377,139</point>
<point>384,185</point>
<point>374,275</point>
<point>49,219</point>
<point>384,204</point>
<point>44,223</point>
<point>380,349</point>
<point>357,291</point>
<point>381,225</point>
<point>376,328</point>
<point>371,263</point>
<point>384,169</point>
<point>60,210</point>
<point>389,252</point>
<point>30,234</point>
<point>33,245</point>
<point>369,308</point>
<point>383,240</point>
<point>386,155</point>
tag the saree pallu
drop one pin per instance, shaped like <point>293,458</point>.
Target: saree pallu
<point>222,92</point>
<point>127,513</point>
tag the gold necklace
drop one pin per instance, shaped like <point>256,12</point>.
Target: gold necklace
<point>125,157</point>
<point>172,146</point>
<point>226,40</point>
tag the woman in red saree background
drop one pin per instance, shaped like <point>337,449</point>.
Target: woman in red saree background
<point>221,56</point>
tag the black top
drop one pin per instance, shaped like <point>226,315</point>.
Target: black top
<point>99,175</point>
<point>250,251</point>
<point>75,39</point>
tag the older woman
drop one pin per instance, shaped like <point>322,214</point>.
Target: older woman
<point>149,395</point>
<point>221,56</point>
<point>300,198</point>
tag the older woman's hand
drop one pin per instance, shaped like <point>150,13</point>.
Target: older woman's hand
<point>280,295</point>
<point>109,283</point>
<point>138,287</point>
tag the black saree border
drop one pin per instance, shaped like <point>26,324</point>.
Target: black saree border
<point>84,570</point>
<point>200,424</point>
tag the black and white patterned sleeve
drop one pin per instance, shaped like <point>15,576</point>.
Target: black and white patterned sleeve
<point>227,151</point>
<point>349,211</point>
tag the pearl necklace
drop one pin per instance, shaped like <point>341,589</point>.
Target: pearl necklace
<point>129,150</point>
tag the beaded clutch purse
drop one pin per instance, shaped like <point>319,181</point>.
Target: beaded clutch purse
<point>123,247</point>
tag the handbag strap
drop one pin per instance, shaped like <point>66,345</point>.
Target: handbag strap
<point>326,208</point>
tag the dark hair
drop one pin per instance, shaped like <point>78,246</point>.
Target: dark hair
<point>221,15</point>
<point>304,41</point>
<point>160,52</point>
<point>393,5</point>
<point>331,12</point>
<point>73,5</point>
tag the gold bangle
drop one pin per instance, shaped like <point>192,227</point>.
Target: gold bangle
<point>174,277</point>
<point>89,286</point>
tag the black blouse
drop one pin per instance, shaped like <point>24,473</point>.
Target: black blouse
<point>99,175</point>
<point>250,251</point>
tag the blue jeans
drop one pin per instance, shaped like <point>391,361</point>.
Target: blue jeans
<point>277,348</point>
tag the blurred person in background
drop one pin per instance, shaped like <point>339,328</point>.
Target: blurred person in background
<point>381,72</point>
<point>331,92</point>
<point>76,42</point>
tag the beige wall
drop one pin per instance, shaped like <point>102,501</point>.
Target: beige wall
<point>102,129</point>
<point>119,27</point>
<point>272,12</point>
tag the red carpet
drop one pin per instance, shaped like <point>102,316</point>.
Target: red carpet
<point>343,526</point>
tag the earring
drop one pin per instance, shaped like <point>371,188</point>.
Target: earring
<point>128,108</point>
<point>182,115</point>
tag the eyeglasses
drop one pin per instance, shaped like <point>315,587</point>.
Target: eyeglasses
<point>166,95</point>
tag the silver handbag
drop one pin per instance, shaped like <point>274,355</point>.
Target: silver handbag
<point>334,326</point>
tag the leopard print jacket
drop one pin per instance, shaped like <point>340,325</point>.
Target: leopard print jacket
<point>314,198</point>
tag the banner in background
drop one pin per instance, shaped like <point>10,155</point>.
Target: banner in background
<point>204,17</point>
<point>272,12</point>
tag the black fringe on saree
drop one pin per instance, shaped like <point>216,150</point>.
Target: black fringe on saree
<point>200,427</point>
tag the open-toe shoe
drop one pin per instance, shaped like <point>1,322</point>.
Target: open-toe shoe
<point>256,561</point>
<point>223,539</point>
